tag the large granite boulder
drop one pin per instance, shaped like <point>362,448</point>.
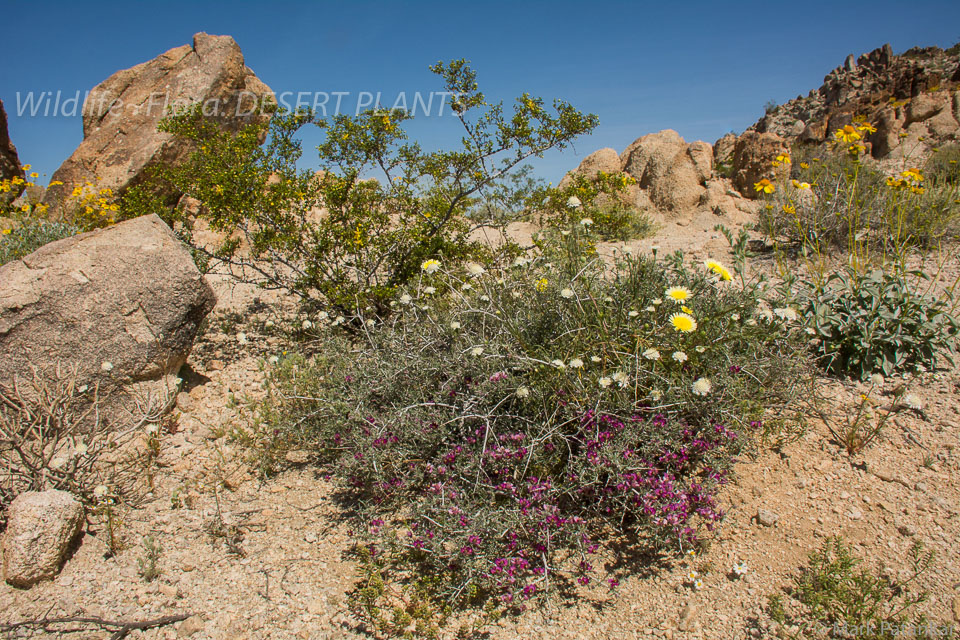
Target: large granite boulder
<point>672,172</point>
<point>121,304</point>
<point>120,117</point>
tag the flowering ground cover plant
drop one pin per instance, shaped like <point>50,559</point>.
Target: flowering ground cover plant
<point>503,432</point>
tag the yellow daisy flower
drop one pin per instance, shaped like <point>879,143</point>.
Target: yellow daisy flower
<point>683,322</point>
<point>678,294</point>
<point>764,186</point>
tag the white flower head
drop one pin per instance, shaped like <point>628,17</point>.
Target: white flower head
<point>475,270</point>
<point>692,575</point>
<point>455,325</point>
<point>740,569</point>
<point>633,314</point>
<point>912,402</point>
<point>651,354</point>
<point>100,491</point>
<point>702,386</point>
<point>273,359</point>
<point>520,261</point>
<point>576,363</point>
<point>306,325</point>
<point>656,301</point>
<point>558,363</point>
<point>786,313</point>
<point>406,299</point>
<point>586,222</point>
<point>371,322</point>
<point>430,290</point>
<point>476,351</point>
<point>604,382</point>
<point>735,317</point>
<point>484,298</point>
<point>323,315</point>
<point>679,356</point>
<point>701,349</point>
<point>698,584</point>
<point>106,366</point>
<point>656,394</point>
<point>574,202</point>
<point>523,392</point>
<point>650,309</point>
<point>566,293</point>
<point>242,338</point>
<point>596,359</point>
<point>621,378</point>
<point>430,266</point>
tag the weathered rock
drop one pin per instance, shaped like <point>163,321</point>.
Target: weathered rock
<point>606,160</point>
<point>767,518</point>
<point>668,169</point>
<point>9,160</point>
<point>120,117</point>
<point>877,86</point>
<point>753,159</point>
<point>122,304</point>
<point>723,149</point>
<point>40,527</point>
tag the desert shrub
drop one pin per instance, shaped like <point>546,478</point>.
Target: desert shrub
<point>53,436</point>
<point>338,238</point>
<point>835,597</point>
<point>504,429</point>
<point>25,239</point>
<point>596,203</point>
<point>877,322</point>
<point>838,200</point>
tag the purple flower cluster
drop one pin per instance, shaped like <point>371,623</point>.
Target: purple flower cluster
<point>510,510</point>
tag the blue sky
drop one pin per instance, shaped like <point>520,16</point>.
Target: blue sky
<point>702,68</point>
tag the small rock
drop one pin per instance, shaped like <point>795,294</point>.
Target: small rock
<point>40,527</point>
<point>920,486</point>
<point>766,517</point>
<point>215,365</point>
<point>907,529</point>
<point>854,514</point>
<point>688,615</point>
<point>190,626</point>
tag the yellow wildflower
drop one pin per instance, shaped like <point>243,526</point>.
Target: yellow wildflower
<point>683,322</point>
<point>542,285</point>
<point>847,134</point>
<point>789,208</point>
<point>913,174</point>
<point>800,185</point>
<point>764,186</point>
<point>869,128</point>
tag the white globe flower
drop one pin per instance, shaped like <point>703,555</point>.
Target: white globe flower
<point>405,299</point>
<point>702,386</point>
<point>574,202</point>
<point>566,293</point>
<point>306,325</point>
<point>106,366</point>
<point>475,270</point>
<point>576,363</point>
<point>455,325</point>
<point>604,382</point>
<point>523,392</point>
<point>476,351</point>
<point>651,354</point>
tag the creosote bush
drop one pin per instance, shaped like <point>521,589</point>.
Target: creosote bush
<point>353,234</point>
<point>503,431</point>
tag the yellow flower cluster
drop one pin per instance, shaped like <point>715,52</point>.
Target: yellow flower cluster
<point>910,179</point>
<point>94,207</point>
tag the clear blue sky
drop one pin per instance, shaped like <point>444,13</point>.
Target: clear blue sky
<point>702,68</point>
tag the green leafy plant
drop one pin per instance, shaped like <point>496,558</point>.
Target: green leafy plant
<point>25,239</point>
<point>149,562</point>
<point>338,238</point>
<point>877,323</point>
<point>833,595</point>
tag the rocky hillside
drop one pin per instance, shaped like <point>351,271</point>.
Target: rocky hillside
<point>914,93</point>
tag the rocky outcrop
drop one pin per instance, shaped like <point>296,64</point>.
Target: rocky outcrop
<point>606,160</point>
<point>41,525</point>
<point>120,117</point>
<point>753,160</point>
<point>121,304</point>
<point>911,98</point>
<point>671,172</point>
<point>9,161</point>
